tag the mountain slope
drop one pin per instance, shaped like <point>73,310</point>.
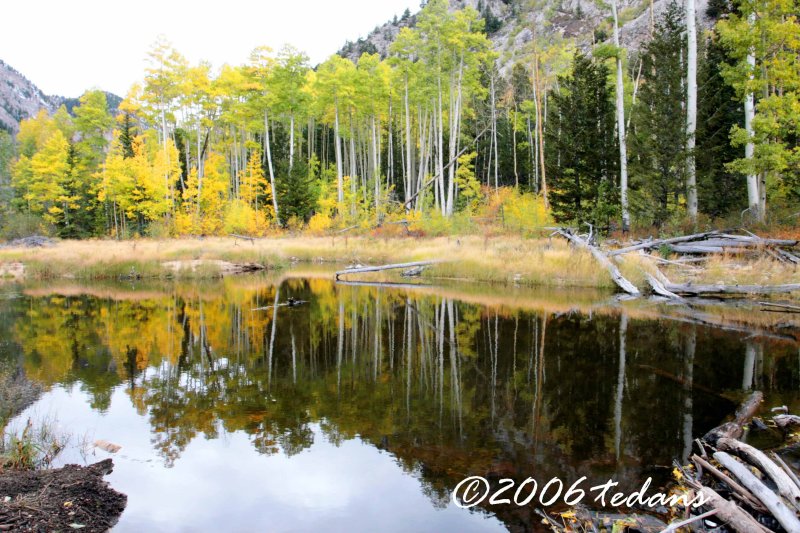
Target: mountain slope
<point>20,99</point>
<point>511,25</point>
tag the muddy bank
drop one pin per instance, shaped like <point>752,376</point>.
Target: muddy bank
<point>64,499</point>
<point>16,393</point>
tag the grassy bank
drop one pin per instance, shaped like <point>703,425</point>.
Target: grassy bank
<point>499,259</point>
<point>505,259</point>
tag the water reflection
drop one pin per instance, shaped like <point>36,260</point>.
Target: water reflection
<point>445,388</point>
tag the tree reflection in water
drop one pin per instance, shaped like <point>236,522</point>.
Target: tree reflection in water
<point>450,388</point>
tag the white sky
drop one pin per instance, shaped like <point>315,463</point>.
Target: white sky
<point>66,47</point>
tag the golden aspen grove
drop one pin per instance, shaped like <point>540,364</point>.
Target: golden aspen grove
<point>434,134</point>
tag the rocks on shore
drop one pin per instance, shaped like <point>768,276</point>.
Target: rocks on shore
<point>226,268</point>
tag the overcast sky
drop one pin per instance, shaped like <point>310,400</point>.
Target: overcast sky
<point>66,47</point>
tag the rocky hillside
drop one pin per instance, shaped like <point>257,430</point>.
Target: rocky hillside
<point>20,99</point>
<point>511,24</point>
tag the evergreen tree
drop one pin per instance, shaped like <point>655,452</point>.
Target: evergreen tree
<point>659,142</point>
<point>297,192</point>
<point>126,135</point>
<point>582,155</point>
<point>721,190</point>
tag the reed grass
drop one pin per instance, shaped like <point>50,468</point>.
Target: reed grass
<point>499,259</point>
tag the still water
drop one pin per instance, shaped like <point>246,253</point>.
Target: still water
<point>361,409</point>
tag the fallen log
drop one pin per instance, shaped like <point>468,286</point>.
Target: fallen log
<point>729,512</point>
<point>789,472</point>
<point>732,289</point>
<point>735,428</point>
<point>708,249</point>
<point>785,516</point>
<point>784,421</point>
<point>787,256</point>
<point>760,240</point>
<point>660,242</point>
<point>675,526</point>
<point>660,289</point>
<point>243,237</point>
<point>362,270</point>
<point>759,459</point>
<point>601,258</point>
<point>735,487</point>
<point>786,307</point>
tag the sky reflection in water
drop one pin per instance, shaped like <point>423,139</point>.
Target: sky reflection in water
<point>361,410</point>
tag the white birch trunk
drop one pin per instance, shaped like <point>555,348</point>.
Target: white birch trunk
<point>270,167</point>
<point>338,149</point>
<point>623,149</point>
<point>691,109</point>
<point>291,141</point>
<point>753,199</point>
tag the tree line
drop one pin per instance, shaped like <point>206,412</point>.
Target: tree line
<point>692,125</point>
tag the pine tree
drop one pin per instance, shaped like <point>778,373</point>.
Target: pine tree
<point>720,189</point>
<point>582,157</point>
<point>659,141</point>
<point>297,192</point>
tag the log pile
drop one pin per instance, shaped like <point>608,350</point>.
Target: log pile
<point>714,242</point>
<point>745,490</point>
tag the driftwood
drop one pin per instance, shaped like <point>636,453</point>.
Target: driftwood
<point>683,523</point>
<point>784,421</point>
<point>362,270</point>
<point>761,241</point>
<point>601,258</point>
<point>789,472</point>
<point>729,512</point>
<point>735,487</point>
<point>704,249</point>
<point>732,289</point>
<point>785,307</point>
<point>649,245</point>
<point>659,288</point>
<point>759,459</point>
<point>715,242</point>
<point>735,428</point>
<point>243,237</point>
<point>785,516</point>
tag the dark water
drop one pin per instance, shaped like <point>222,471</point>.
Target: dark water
<point>363,408</point>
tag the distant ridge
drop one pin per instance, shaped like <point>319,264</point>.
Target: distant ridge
<point>20,98</point>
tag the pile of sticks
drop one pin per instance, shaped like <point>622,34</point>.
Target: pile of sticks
<point>744,489</point>
<point>690,247</point>
<point>716,242</point>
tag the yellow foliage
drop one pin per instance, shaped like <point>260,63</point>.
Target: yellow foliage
<point>240,218</point>
<point>320,223</point>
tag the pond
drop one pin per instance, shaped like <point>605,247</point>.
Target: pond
<point>362,408</point>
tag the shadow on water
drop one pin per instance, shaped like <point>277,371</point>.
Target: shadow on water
<point>514,386</point>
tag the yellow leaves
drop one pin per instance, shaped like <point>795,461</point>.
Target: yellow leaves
<point>241,218</point>
<point>41,176</point>
<point>320,223</point>
<point>141,185</point>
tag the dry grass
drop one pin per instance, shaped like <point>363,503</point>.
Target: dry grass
<point>737,271</point>
<point>499,259</point>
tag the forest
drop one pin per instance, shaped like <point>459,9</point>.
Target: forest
<point>694,128</point>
